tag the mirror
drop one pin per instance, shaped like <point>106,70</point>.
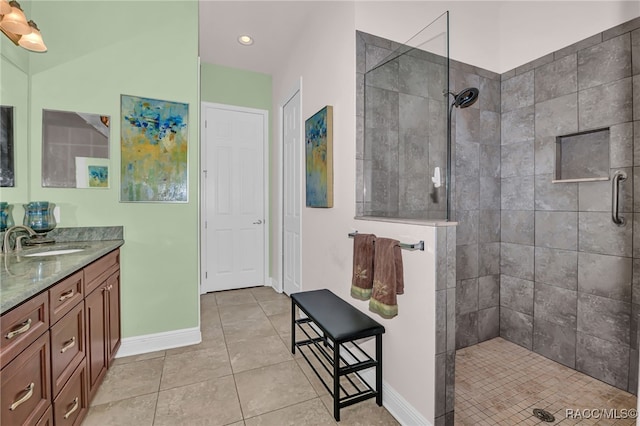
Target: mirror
<point>7,166</point>
<point>75,149</point>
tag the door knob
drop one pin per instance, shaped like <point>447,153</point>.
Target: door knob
<point>259,222</point>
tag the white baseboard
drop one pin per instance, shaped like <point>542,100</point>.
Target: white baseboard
<point>275,284</point>
<point>396,405</point>
<point>159,341</point>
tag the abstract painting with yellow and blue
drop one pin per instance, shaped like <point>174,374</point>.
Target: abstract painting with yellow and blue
<point>153,141</point>
<point>318,132</point>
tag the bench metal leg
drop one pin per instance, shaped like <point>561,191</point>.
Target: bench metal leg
<point>336,381</point>
<point>379,370</point>
<point>293,327</point>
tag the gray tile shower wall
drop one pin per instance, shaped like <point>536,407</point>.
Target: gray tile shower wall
<point>476,174</point>
<point>570,278</point>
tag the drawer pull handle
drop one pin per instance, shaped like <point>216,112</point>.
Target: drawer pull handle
<point>64,296</point>
<point>68,345</point>
<point>21,329</point>
<point>25,397</point>
<point>76,404</point>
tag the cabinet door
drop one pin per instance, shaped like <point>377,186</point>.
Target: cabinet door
<point>22,326</point>
<point>26,386</point>
<point>113,286</point>
<point>47,418</point>
<point>71,405</point>
<point>65,295</point>
<point>96,338</point>
<point>67,346</point>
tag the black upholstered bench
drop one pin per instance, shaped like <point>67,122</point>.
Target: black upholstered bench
<point>337,324</point>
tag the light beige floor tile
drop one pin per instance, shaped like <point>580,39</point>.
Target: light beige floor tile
<point>234,297</point>
<point>365,413</point>
<point>209,317</point>
<point>271,388</point>
<point>246,312</point>
<point>281,322</point>
<point>129,380</point>
<point>257,353</point>
<point>194,367</point>
<point>210,403</point>
<point>304,414</point>
<point>265,293</point>
<point>276,306</point>
<point>137,411</point>
<point>208,299</point>
<point>141,357</point>
<point>247,330</point>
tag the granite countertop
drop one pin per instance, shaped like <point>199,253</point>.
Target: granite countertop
<point>23,277</point>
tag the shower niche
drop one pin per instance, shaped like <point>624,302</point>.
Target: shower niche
<point>582,156</point>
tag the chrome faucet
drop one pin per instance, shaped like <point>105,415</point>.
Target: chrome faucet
<point>6,246</point>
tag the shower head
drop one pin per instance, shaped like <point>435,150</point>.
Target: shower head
<point>466,97</point>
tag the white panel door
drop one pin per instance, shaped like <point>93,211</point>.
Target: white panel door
<point>292,198</point>
<point>234,205</point>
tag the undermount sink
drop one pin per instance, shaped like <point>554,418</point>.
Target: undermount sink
<point>54,252</point>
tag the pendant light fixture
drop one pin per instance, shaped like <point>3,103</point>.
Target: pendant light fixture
<point>14,25</point>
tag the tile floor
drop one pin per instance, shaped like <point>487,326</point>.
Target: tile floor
<point>500,383</point>
<point>241,374</point>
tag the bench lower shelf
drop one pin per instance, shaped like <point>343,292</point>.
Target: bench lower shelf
<point>338,365</point>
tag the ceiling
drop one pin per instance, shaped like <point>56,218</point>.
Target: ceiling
<point>274,26</point>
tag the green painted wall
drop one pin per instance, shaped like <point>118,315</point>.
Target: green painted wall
<point>234,86</point>
<point>96,53</point>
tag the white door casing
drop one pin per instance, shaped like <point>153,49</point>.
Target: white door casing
<point>235,181</point>
<point>292,194</point>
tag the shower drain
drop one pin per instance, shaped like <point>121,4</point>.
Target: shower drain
<point>543,415</point>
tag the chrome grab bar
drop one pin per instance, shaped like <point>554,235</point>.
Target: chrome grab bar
<point>615,197</point>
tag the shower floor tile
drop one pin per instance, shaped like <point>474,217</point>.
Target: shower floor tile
<point>500,383</point>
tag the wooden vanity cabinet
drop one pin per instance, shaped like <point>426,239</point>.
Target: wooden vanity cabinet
<point>102,313</point>
<point>55,348</point>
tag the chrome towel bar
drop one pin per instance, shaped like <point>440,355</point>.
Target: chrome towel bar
<point>417,246</point>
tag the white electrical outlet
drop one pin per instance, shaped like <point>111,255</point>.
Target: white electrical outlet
<point>56,213</point>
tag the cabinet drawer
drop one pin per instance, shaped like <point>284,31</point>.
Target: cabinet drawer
<point>65,295</point>
<point>23,325</point>
<point>70,406</point>
<point>67,346</point>
<point>98,271</point>
<point>47,418</point>
<point>25,394</point>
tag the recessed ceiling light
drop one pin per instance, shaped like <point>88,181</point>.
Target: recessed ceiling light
<point>245,40</point>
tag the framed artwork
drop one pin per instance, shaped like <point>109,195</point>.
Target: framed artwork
<point>92,172</point>
<point>318,132</point>
<point>154,150</point>
<point>7,166</point>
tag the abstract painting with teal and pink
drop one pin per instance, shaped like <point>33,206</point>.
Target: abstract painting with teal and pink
<point>154,150</point>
